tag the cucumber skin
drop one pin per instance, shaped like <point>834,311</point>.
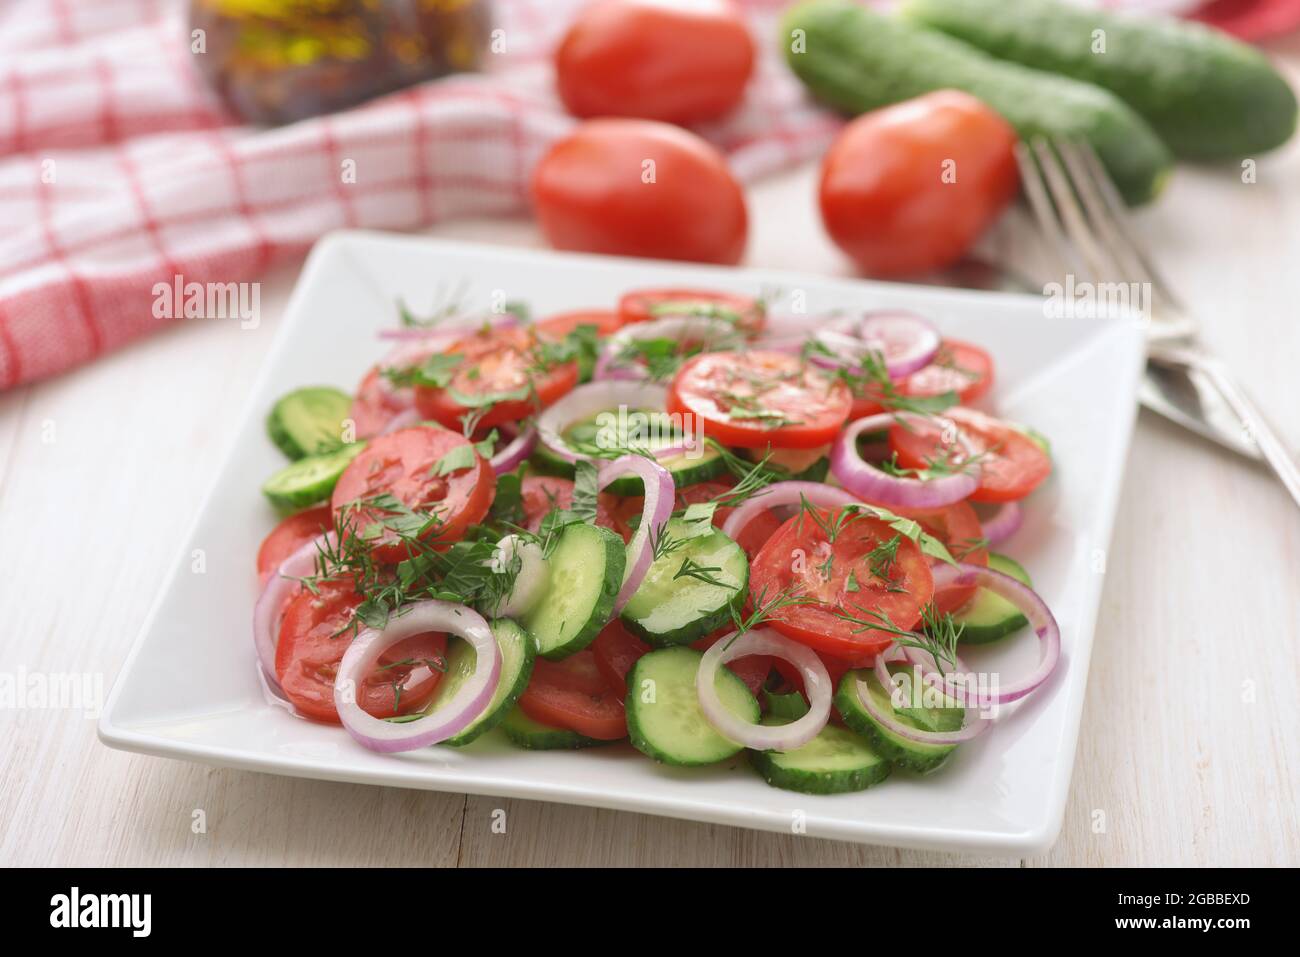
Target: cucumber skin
<point>507,703</point>
<point>851,710</point>
<point>282,436</point>
<point>290,500</point>
<point>974,633</point>
<point>1208,96</point>
<point>766,763</point>
<point>698,627</point>
<point>615,559</point>
<point>858,61</point>
<point>643,744</point>
<point>535,736</point>
<point>545,462</point>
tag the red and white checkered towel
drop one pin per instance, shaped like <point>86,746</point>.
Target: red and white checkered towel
<point>119,169</point>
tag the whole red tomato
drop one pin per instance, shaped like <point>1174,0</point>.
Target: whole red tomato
<point>909,188</point>
<point>681,62</point>
<point>638,188</point>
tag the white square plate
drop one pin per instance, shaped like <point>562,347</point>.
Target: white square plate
<point>190,688</point>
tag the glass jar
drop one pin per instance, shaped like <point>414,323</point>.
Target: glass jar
<point>276,61</point>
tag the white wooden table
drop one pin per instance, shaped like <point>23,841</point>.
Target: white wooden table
<point>1189,752</point>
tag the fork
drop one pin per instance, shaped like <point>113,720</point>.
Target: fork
<point>1082,216</point>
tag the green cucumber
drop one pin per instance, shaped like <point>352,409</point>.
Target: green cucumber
<point>835,762</point>
<point>309,480</point>
<point>664,720</point>
<point>988,616</point>
<point>689,468</point>
<point>859,60</point>
<point>535,736</point>
<point>309,421</point>
<point>1208,96</point>
<point>585,572</point>
<point>914,755</point>
<point>516,667</point>
<point>673,608</point>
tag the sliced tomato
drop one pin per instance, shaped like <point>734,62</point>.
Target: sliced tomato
<point>758,531</point>
<point>290,535</point>
<point>404,464</point>
<point>641,305</point>
<point>702,492</point>
<point>957,367</point>
<point>616,650</point>
<point>541,493</point>
<point>751,669</point>
<point>606,321</point>
<point>1011,465</point>
<point>503,370</point>
<point>958,527</point>
<point>848,577</point>
<point>376,402</point>
<point>574,694</point>
<point>314,634</point>
<point>756,399</point>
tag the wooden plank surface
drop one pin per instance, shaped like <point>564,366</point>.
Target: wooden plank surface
<point>1188,753</point>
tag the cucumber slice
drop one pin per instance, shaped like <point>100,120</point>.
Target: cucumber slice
<point>309,480</point>
<point>914,755</point>
<point>834,762</point>
<point>988,617</point>
<point>585,574</point>
<point>671,608</point>
<point>664,720</point>
<point>309,421</point>
<point>535,736</point>
<point>690,468</point>
<point>516,667</point>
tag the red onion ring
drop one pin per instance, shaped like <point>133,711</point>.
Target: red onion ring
<point>1030,605</point>
<point>785,737</point>
<point>278,587</point>
<point>1003,523</point>
<point>451,328</point>
<point>449,719</point>
<point>975,724</point>
<point>588,400</point>
<point>679,328</point>
<point>519,448</point>
<point>874,485</point>
<point>402,420</point>
<point>907,341</point>
<point>785,493</point>
<point>660,496</point>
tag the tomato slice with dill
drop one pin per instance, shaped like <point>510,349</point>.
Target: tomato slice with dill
<point>425,469</point>
<point>640,305</point>
<point>857,573</point>
<point>574,694</point>
<point>376,403</point>
<point>756,399</point>
<point>958,527</point>
<point>496,375</point>
<point>542,493</point>
<point>606,321</point>
<point>316,631</point>
<point>290,535</point>
<point>1011,465</point>
<point>957,367</point>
